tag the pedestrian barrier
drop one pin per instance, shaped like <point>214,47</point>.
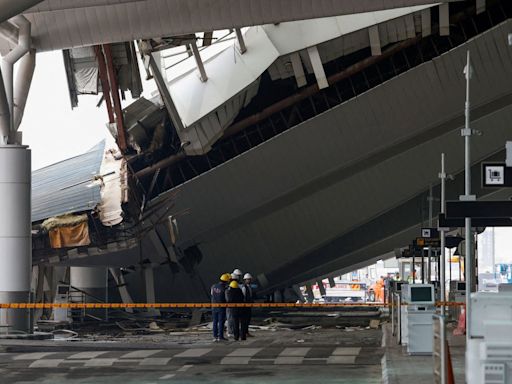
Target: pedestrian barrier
<point>200,305</point>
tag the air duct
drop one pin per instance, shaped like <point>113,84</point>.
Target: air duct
<point>8,62</point>
<point>23,82</point>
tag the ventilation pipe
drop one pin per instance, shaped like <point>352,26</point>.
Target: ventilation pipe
<point>5,115</point>
<point>8,62</point>
<point>23,82</point>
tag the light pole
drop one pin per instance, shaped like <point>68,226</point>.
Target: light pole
<point>468,264</point>
<point>442,176</point>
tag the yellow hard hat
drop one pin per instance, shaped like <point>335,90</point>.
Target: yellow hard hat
<point>225,277</point>
<point>233,284</point>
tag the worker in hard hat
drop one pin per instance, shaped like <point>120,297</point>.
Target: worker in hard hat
<point>379,290</point>
<point>248,298</point>
<point>235,295</point>
<point>411,279</point>
<point>236,275</point>
<point>218,294</point>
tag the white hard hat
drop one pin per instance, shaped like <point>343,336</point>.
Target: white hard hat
<point>234,276</point>
<point>247,276</point>
<point>237,272</point>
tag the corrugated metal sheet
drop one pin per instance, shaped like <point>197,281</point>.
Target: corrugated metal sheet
<point>60,24</point>
<point>337,171</point>
<point>65,187</point>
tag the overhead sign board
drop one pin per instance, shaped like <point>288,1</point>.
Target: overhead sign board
<point>479,209</point>
<point>430,233</point>
<point>496,175</point>
<point>428,242</point>
<point>459,222</point>
<point>413,251</point>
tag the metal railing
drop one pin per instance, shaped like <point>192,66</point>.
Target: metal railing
<point>439,353</point>
<point>396,316</point>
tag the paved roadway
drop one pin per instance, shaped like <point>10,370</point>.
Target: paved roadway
<point>326,356</point>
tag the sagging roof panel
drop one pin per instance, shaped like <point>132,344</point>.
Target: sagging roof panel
<point>206,108</point>
<point>340,169</point>
<point>66,187</point>
<point>61,24</point>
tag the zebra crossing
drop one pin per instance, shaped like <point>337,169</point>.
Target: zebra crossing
<point>270,355</point>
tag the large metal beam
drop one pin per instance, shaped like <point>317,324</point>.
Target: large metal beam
<point>105,87</point>
<point>114,89</point>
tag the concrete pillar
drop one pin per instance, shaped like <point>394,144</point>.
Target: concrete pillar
<point>149,279</point>
<point>92,280</point>
<point>15,235</point>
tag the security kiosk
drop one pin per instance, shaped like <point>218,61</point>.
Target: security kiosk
<point>489,350</point>
<point>420,308</point>
<point>61,297</point>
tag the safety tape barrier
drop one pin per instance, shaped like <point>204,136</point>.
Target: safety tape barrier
<point>200,305</point>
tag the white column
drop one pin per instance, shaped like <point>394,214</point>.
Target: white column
<point>444,19</point>
<point>480,6</point>
<point>318,67</point>
<point>298,70</point>
<point>15,235</point>
<point>373,33</point>
<point>426,23</point>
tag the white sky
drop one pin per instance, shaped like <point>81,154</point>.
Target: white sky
<point>50,127</point>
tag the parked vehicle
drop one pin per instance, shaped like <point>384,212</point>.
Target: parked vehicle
<point>345,291</point>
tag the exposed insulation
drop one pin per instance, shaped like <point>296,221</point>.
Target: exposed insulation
<point>70,236</point>
<point>63,221</point>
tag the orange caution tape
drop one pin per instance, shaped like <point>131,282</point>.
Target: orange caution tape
<point>202,305</point>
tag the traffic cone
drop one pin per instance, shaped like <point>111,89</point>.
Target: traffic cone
<point>461,325</point>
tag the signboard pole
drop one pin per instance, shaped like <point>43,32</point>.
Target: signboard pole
<point>468,264</point>
<point>442,176</point>
<point>430,219</point>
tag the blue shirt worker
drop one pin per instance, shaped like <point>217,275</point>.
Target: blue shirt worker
<point>218,293</point>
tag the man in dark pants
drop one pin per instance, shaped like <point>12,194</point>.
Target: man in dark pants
<point>218,293</point>
<point>235,295</point>
<point>248,298</point>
